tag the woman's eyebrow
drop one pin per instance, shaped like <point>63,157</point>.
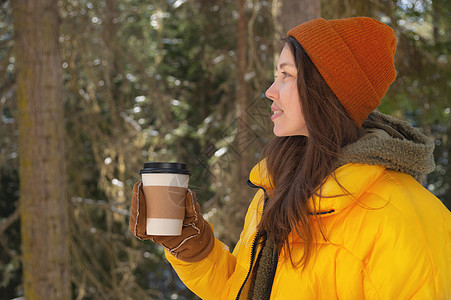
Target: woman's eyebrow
<point>285,64</point>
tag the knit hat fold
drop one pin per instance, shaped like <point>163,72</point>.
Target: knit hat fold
<point>355,58</point>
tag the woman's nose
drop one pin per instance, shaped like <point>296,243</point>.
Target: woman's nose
<point>272,92</point>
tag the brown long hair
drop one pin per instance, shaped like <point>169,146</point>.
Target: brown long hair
<point>299,165</point>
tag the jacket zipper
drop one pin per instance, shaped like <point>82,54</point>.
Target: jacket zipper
<point>254,242</point>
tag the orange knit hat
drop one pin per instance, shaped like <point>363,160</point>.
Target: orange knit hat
<point>355,58</point>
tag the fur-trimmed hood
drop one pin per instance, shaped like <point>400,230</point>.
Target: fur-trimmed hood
<point>392,143</point>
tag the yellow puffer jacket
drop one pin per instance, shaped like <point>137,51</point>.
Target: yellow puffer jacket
<point>389,239</point>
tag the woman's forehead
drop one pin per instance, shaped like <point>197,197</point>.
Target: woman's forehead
<point>286,59</point>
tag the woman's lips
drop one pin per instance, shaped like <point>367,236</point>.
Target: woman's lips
<point>276,112</point>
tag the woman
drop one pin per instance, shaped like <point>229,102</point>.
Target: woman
<point>338,212</point>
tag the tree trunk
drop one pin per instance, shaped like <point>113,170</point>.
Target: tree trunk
<point>435,21</point>
<point>242,98</point>
<point>43,200</point>
<point>291,13</point>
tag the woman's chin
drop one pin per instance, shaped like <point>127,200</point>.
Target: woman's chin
<point>280,133</point>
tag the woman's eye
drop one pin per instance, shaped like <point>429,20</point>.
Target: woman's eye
<point>285,75</point>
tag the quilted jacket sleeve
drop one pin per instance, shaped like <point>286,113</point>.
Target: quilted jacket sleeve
<point>208,277</point>
<point>221,273</point>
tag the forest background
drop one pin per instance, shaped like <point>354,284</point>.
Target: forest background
<point>90,90</point>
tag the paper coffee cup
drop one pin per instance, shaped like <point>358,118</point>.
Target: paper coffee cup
<point>165,186</point>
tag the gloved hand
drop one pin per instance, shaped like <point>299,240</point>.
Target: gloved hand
<point>197,238</point>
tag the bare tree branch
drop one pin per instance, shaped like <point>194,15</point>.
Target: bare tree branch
<point>103,204</point>
<point>10,220</point>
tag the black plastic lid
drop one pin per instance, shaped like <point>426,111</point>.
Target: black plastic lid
<point>165,167</point>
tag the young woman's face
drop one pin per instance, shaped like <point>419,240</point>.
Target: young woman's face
<point>287,114</point>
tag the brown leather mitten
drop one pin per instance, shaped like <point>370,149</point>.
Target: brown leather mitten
<point>197,238</point>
